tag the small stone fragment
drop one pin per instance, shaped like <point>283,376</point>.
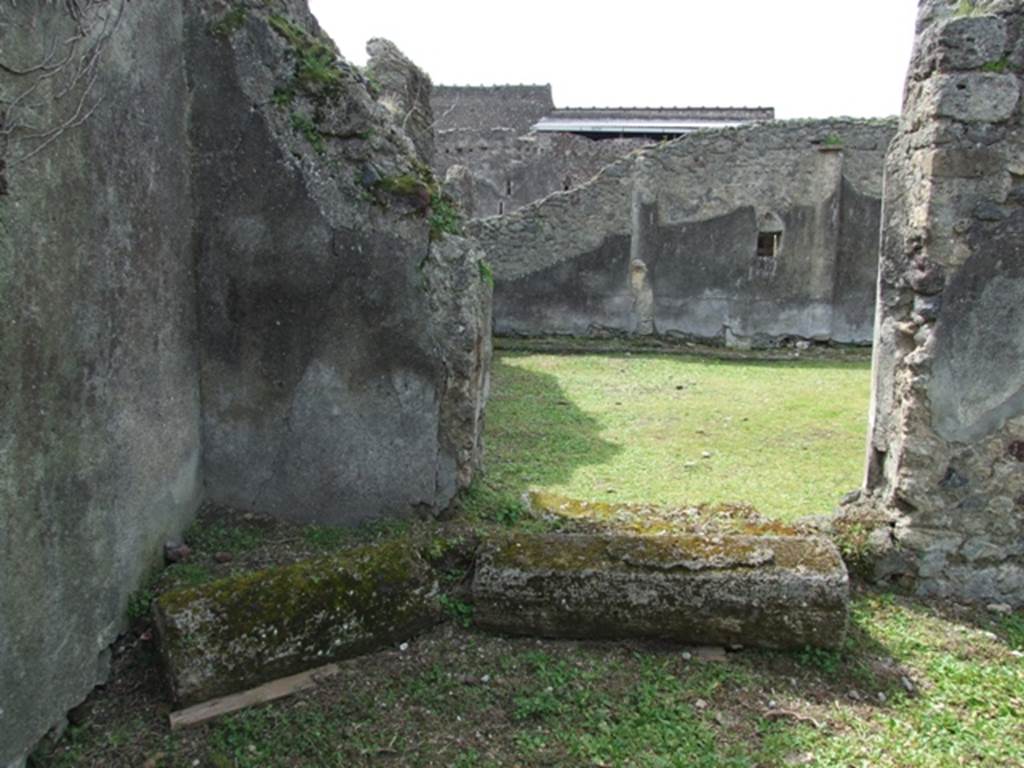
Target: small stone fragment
<point>223,557</point>
<point>176,552</point>
<point>711,653</point>
<point>1000,608</point>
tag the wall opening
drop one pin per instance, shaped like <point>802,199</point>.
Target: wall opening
<point>768,244</point>
<point>768,247</point>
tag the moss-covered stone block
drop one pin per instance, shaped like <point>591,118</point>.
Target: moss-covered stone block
<point>767,591</point>
<point>239,632</point>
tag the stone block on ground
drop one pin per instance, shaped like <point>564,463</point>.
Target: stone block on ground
<point>766,591</point>
<point>233,634</point>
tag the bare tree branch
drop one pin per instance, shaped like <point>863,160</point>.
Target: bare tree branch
<point>61,82</point>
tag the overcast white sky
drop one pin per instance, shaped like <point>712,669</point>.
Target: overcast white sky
<point>807,58</point>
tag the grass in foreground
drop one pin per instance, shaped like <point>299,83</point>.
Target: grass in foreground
<point>915,686</point>
<point>784,436</point>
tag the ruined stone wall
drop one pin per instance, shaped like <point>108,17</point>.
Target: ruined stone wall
<point>99,403</point>
<point>947,432</point>
<point>487,130</point>
<point>479,108</point>
<point>324,372</point>
<point>665,240</point>
<point>230,275</point>
<point>510,170</point>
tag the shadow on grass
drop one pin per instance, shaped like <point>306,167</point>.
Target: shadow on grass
<point>534,436</point>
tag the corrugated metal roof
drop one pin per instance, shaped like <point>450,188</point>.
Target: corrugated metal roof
<point>668,127</point>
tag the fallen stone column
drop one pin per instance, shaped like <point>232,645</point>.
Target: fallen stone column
<point>773,592</point>
<point>236,633</point>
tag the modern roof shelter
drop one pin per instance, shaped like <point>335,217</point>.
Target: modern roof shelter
<point>633,121</point>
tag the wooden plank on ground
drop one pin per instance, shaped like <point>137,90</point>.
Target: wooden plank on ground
<point>276,689</point>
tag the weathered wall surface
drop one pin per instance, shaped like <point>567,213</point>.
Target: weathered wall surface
<point>510,169</point>
<point>947,434</point>
<point>479,108</point>
<point>99,405</point>
<point>221,257</point>
<point>487,129</point>
<point>325,371</point>
<point>665,240</point>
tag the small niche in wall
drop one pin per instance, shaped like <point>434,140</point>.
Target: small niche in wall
<point>501,207</point>
<point>768,248</point>
<point>768,244</point>
<point>508,187</point>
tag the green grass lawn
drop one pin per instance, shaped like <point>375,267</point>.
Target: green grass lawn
<point>785,436</point>
<point>917,684</point>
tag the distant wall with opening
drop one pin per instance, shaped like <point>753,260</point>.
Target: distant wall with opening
<point>746,236</point>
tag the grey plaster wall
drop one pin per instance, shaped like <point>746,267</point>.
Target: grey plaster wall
<point>217,280</point>
<point>514,108</point>
<point>487,129</point>
<point>325,369</point>
<point>947,434</point>
<point>99,404</point>
<point>512,169</point>
<point>664,240</point>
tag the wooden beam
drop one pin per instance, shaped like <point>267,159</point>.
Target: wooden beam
<point>276,689</point>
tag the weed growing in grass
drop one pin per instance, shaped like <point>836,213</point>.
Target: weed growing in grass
<point>461,612</point>
<point>212,537</point>
<point>471,758</point>
<point>826,661</point>
<point>1012,627</point>
<point>139,603</point>
<point>327,537</point>
<point>186,575</point>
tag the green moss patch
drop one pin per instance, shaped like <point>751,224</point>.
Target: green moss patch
<point>580,515</point>
<point>317,73</point>
<point>588,554</point>
<point>230,22</point>
<point>420,189</point>
<point>235,633</point>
